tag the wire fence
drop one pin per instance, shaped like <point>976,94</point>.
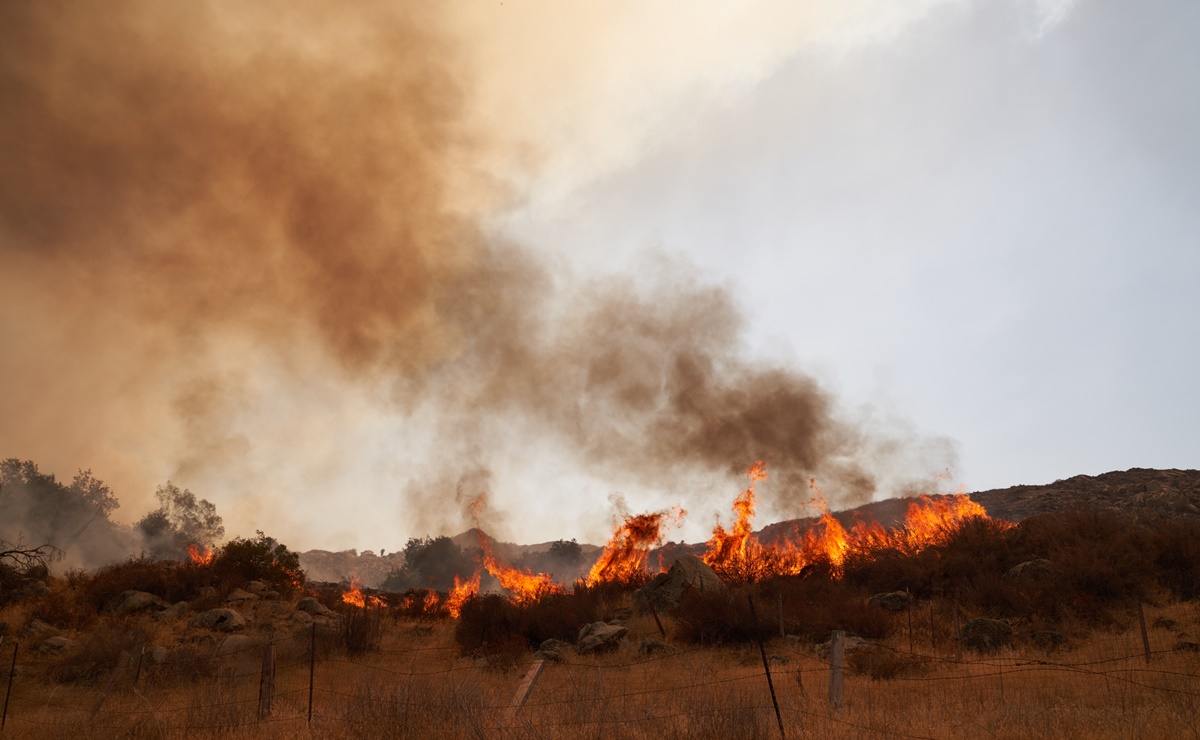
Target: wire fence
<point>304,683</point>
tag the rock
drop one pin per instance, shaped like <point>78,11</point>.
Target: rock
<point>173,612</point>
<point>258,588</point>
<point>852,643</point>
<point>1048,640</point>
<point>222,620</point>
<point>39,630</point>
<point>133,602</point>
<point>53,645</point>
<point>236,644</point>
<point>651,646</point>
<point>312,606</point>
<point>270,596</point>
<point>238,596</point>
<point>550,656</point>
<point>206,592</point>
<point>1032,571</point>
<point>599,637</point>
<point>893,601</point>
<point>302,618</point>
<point>985,635</point>
<point>33,589</point>
<point>665,590</point>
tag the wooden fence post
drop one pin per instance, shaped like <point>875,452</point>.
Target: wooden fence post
<point>837,665</point>
<point>1145,634</point>
<point>766,666</point>
<point>654,613</point>
<point>266,683</point>
<point>312,669</point>
<point>523,689</point>
<point>12,671</point>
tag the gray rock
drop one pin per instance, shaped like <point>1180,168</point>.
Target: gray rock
<point>550,656</point>
<point>257,588</point>
<point>236,644</point>
<point>271,596</point>
<point>52,645</point>
<point>133,602</point>
<point>984,635</point>
<point>173,612</point>
<point>1032,571</point>
<point>39,630</point>
<point>303,619</point>
<point>665,590</point>
<point>894,601</point>
<point>312,606</point>
<point>238,596</point>
<point>599,637</point>
<point>222,620</point>
<point>651,646</point>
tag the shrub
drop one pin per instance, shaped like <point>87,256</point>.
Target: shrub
<point>719,618</point>
<point>259,559</point>
<point>362,629</point>
<point>491,622</point>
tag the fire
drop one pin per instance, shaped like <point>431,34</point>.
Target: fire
<point>462,591</point>
<point>737,554</point>
<point>624,556</point>
<point>522,585</point>
<point>355,597</point>
<point>200,555</point>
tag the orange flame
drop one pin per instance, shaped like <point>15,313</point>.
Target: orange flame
<point>462,591</point>
<point>355,597</point>
<point>522,585</point>
<point>200,555</point>
<point>624,556</point>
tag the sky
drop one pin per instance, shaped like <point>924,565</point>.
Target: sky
<point>340,272</point>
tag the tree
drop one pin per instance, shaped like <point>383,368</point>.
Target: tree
<point>431,563</point>
<point>262,558</point>
<point>35,506</point>
<point>180,520</point>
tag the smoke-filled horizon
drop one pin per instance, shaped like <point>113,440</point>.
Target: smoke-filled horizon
<point>254,251</point>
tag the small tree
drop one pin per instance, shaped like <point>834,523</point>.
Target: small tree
<point>262,558</point>
<point>180,520</point>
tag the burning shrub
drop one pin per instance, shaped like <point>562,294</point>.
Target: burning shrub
<point>259,559</point>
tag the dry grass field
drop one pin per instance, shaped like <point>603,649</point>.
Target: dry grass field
<point>419,684</point>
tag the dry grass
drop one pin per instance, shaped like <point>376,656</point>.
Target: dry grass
<point>420,685</point>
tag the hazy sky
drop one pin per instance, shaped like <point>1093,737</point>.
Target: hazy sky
<point>339,272</point>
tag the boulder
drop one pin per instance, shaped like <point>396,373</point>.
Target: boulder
<point>236,644</point>
<point>173,612</point>
<point>984,635</point>
<point>222,620</point>
<point>39,630</point>
<point>552,650</point>
<point>257,588</point>
<point>238,596</point>
<point>651,646</point>
<point>1032,571</point>
<point>893,601</point>
<point>599,637</point>
<point>303,619</point>
<point>312,606</point>
<point>133,602</point>
<point>57,644</point>
<point>665,590</point>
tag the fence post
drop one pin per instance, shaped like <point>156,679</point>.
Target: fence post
<point>654,613</point>
<point>932,628</point>
<point>766,666</point>
<point>12,671</point>
<point>957,634</point>
<point>137,672</point>
<point>1145,634</point>
<point>837,664</point>
<point>312,669</point>
<point>266,683</point>
<point>523,689</point>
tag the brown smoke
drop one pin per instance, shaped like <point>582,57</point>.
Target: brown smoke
<point>187,186</point>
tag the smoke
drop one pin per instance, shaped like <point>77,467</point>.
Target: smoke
<point>230,236</point>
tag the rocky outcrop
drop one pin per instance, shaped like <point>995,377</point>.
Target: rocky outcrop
<point>1032,571</point>
<point>665,591</point>
<point>221,620</point>
<point>599,637</point>
<point>133,602</point>
<point>552,650</point>
<point>894,601</point>
<point>313,607</point>
<point>984,635</point>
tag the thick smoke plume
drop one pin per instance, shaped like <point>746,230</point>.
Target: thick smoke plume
<point>201,199</point>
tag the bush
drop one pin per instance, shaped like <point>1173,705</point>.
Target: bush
<point>491,623</point>
<point>259,559</point>
<point>362,629</point>
<point>719,618</point>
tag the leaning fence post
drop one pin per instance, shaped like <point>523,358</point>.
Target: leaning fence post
<point>837,664</point>
<point>137,672</point>
<point>312,669</point>
<point>266,684</point>
<point>523,689</point>
<point>766,666</point>
<point>1145,634</point>
<point>12,671</point>
<point>654,613</point>
<point>957,634</point>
